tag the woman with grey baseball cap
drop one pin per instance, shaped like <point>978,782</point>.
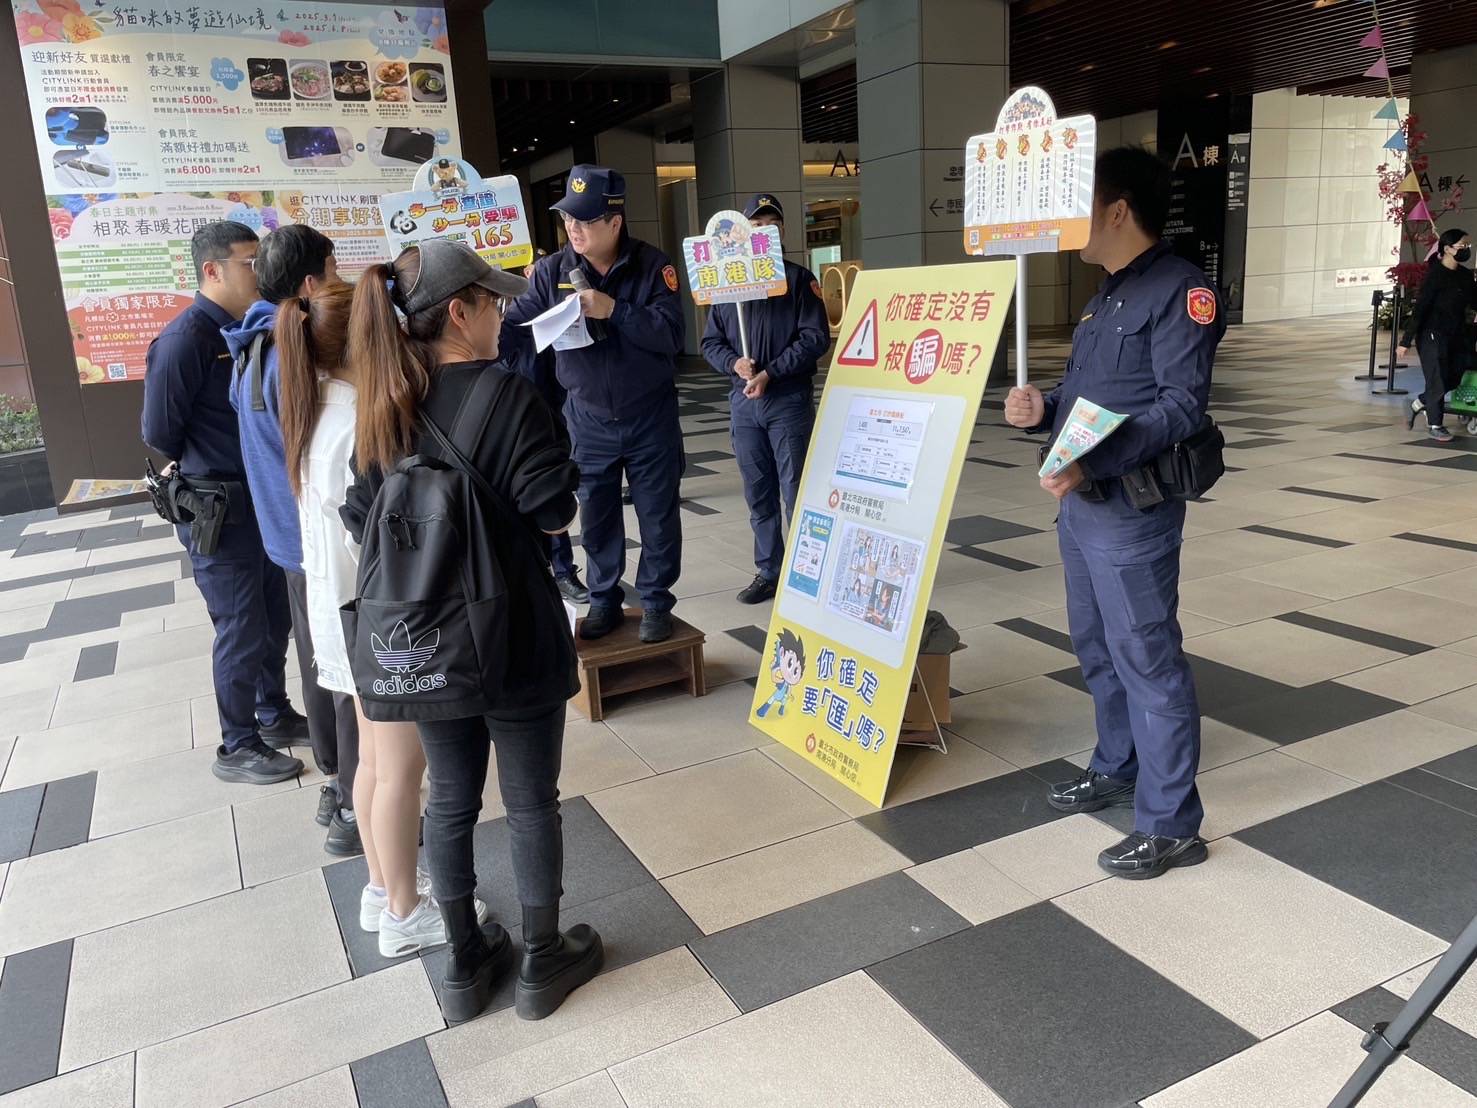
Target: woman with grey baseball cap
<point>451,303</point>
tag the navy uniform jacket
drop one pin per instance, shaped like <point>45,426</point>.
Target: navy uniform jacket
<point>187,413</point>
<point>1144,348</point>
<point>787,335</point>
<point>636,363</point>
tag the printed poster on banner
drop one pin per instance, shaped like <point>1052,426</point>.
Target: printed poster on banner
<point>1028,183</point>
<point>874,503</point>
<point>734,260</point>
<point>450,200</point>
<point>154,119</point>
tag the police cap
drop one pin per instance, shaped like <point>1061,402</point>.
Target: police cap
<point>764,202</point>
<point>592,191</point>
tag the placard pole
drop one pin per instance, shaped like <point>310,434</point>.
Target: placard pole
<point>743,329</point>
<point>1020,321</point>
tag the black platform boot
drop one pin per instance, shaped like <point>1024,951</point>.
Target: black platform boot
<point>554,963</point>
<point>478,959</point>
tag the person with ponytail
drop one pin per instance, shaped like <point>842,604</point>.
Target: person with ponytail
<point>408,376</point>
<point>317,403</point>
<point>1439,329</point>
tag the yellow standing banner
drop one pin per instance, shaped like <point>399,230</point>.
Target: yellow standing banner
<point>900,403</point>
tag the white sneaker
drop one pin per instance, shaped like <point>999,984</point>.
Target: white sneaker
<point>422,928</point>
<point>371,904</point>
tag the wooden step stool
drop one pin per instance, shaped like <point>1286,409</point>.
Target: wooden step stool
<point>621,663</point>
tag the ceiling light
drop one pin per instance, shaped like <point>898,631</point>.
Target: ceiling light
<point>1204,69</point>
<point>1168,45</point>
<point>1088,68</point>
<point>1211,95</point>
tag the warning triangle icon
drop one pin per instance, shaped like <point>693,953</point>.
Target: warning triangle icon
<point>861,348</point>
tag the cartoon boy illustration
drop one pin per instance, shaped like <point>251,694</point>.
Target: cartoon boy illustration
<point>788,671</point>
<point>730,238</point>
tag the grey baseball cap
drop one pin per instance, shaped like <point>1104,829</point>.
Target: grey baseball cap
<point>447,267</point>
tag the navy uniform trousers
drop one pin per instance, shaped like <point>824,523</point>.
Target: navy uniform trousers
<point>770,437</point>
<point>645,448</point>
<point>1122,570</point>
<point>246,596</point>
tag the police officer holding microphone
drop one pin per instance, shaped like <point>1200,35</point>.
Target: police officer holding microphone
<point>1145,347</point>
<point>622,395</point>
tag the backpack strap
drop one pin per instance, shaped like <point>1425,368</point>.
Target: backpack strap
<point>250,362</point>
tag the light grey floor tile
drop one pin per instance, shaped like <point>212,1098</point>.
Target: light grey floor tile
<point>102,884</point>
<point>779,1056</point>
<point>1284,946</point>
<point>106,697</point>
<point>38,676</point>
<point>1237,601</point>
<point>148,651</point>
<point>77,748</point>
<point>971,886</point>
<point>594,760</point>
<point>1260,788</point>
<point>1405,613</point>
<point>1383,746</point>
<point>277,835</point>
<point>226,1063</point>
<point>683,731</point>
<point>1418,677</point>
<point>1028,722</point>
<point>333,1089</point>
<point>18,620</point>
<point>27,711</point>
<point>996,656</point>
<point>1460,1006</point>
<point>595,1091</point>
<point>1288,653</point>
<point>167,787</point>
<point>1054,858</point>
<point>1307,1065</point>
<point>106,1085</point>
<point>188,969</point>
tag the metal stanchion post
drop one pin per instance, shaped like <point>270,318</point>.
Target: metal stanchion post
<point>1376,300</point>
<point>1395,321</point>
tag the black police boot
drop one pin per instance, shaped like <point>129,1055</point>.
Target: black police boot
<point>255,763</point>
<point>1092,792</point>
<point>572,588</point>
<point>757,591</point>
<point>554,963</point>
<point>478,959</point>
<point>291,727</point>
<point>601,620</point>
<point>655,626</point>
<point>343,834</point>
<point>1142,856</point>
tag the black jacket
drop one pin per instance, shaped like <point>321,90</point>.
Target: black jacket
<point>187,413</point>
<point>787,335</point>
<point>1441,308</point>
<point>524,455</point>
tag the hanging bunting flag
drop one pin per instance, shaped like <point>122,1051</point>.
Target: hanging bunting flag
<point>1380,68</point>
<point>1375,40</point>
<point>1391,110</point>
<point>1420,212</point>
<point>1410,184</point>
<point>1396,141</point>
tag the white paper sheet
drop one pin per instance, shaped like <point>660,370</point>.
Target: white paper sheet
<point>562,326</point>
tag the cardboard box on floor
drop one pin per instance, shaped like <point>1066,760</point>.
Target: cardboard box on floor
<point>928,695</point>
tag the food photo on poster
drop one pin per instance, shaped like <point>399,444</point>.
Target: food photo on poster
<point>152,120</point>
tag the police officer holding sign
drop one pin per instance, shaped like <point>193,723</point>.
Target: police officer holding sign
<point>771,396</point>
<point>1145,346</point>
<point>622,395</point>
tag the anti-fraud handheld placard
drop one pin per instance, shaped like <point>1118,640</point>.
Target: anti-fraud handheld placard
<point>450,200</point>
<point>153,119</point>
<point>1087,425</point>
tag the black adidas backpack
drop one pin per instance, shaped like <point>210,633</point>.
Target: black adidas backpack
<point>427,632</point>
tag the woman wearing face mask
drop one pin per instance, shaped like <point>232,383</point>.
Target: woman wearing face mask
<point>317,405</point>
<point>1439,328</point>
<point>451,302</point>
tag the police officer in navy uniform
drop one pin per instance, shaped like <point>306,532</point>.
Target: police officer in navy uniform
<point>1144,347</point>
<point>771,396</point>
<point>622,395</point>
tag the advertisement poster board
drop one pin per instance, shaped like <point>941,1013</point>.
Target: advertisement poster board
<point>1028,183</point>
<point>733,260</point>
<point>450,200</point>
<point>153,119</point>
<point>890,439</point>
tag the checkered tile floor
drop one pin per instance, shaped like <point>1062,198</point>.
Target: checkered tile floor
<point>171,940</point>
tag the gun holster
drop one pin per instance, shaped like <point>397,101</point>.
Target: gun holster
<point>200,503</point>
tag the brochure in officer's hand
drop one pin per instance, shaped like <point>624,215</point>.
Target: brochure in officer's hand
<point>1086,426</point>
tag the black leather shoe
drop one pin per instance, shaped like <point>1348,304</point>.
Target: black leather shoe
<point>555,963</point>
<point>757,591</point>
<point>254,763</point>
<point>656,626</point>
<point>327,805</point>
<point>290,728</point>
<point>1142,856</point>
<point>601,621</point>
<point>479,957</point>
<point>572,588</point>
<point>1092,792</point>
<point>343,835</point>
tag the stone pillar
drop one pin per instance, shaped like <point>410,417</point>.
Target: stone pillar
<point>1443,86</point>
<point>633,154</point>
<point>930,73</point>
<point>746,139</point>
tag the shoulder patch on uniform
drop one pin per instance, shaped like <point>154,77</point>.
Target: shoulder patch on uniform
<point>670,275</point>
<point>1086,317</point>
<point>1200,303</point>
<point>815,287</point>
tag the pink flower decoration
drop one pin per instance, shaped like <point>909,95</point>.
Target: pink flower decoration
<point>61,223</point>
<point>294,38</point>
<point>32,27</point>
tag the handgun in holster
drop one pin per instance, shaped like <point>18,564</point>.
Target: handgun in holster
<point>202,505</point>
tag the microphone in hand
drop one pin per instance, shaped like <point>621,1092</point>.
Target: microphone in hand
<point>581,283</point>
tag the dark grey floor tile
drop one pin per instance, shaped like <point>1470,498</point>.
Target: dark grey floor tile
<point>110,534</point>
<point>1266,409</point>
<point>1296,536</point>
<point>1456,461</point>
<point>965,817</point>
<point>697,471</point>
<point>1051,1014</point>
<point>1279,712</point>
<point>1252,444</point>
<point>1443,790</point>
<point>1377,458</point>
<point>972,530</point>
<point>752,637</point>
<point>1460,443</point>
<point>779,955</point>
<point>1461,767</point>
<point>33,1001</point>
<point>1349,496</point>
<point>1259,423</point>
<point>129,511</point>
<point>1357,634</point>
<point>1004,561</point>
<point>399,1077</point>
<point>66,813</point>
<point>1048,635</point>
<point>1358,425</point>
<point>697,508</point>
<point>1433,540</point>
<point>1440,1047</point>
<point>97,660</point>
<point>1401,852</point>
<point>702,456</point>
<point>19,810</point>
<point>47,543</point>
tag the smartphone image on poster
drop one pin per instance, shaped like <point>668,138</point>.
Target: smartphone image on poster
<point>409,144</point>
<point>323,147</point>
